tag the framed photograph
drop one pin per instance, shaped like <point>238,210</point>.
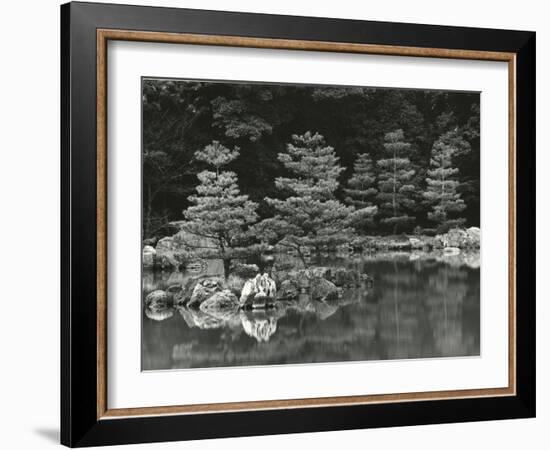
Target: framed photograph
<point>277,224</point>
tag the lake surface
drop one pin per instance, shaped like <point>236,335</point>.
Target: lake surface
<point>420,306</point>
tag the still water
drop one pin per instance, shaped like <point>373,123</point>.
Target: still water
<point>420,306</point>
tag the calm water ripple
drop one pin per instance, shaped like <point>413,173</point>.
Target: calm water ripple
<point>420,306</point>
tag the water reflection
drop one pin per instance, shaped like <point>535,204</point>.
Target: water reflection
<point>420,306</point>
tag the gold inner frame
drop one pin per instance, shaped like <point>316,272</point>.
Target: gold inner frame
<point>104,35</point>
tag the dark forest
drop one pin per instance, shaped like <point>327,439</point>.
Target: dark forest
<point>409,159</point>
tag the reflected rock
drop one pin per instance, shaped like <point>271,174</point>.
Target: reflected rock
<point>346,277</point>
<point>173,289</point>
<point>451,251</point>
<point>322,309</point>
<point>259,325</point>
<point>158,300</point>
<point>184,351</point>
<point>159,314</point>
<point>222,305</point>
<point>472,260</point>
<point>148,282</point>
<point>199,319</point>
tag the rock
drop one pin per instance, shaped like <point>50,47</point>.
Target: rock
<point>456,237</point>
<point>196,266</point>
<point>148,257</point>
<point>399,242</point>
<point>170,254</point>
<point>416,244</point>
<point>322,289</point>
<point>173,289</point>
<point>247,292</point>
<point>150,242</point>
<point>450,251</point>
<point>321,272</point>
<point>346,277</point>
<point>459,238</point>
<point>474,235</point>
<point>157,300</point>
<point>166,244</point>
<point>368,280</point>
<point>261,301</point>
<point>204,289</point>
<point>221,305</point>
<point>288,290</point>
<point>184,295</point>
<point>261,284</point>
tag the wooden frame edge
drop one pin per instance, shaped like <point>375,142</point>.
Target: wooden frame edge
<point>101,223</point>
<point>289,44</point>
<point>104,35</point>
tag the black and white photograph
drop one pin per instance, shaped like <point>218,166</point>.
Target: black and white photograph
<point>292,224</point>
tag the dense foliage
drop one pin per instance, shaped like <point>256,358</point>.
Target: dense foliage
<point>402,158</point>
<point>220,215</point>
<point>310,216</point>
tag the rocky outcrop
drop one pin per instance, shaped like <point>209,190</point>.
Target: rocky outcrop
<point>196,266</point>
<point>184,295</point>
<point>474,234</point>
<point>148,257</point>
<point>324,290</point>
<point>167,254</point>
<point>288,290</point>
<point>304,279</point>
<point>459,238</point>
<point>205,288</point>
<point>346,277</point>
<point>259,287</point>
<point>221,305</point>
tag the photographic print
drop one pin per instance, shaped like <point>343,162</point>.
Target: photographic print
<point>293,224</point>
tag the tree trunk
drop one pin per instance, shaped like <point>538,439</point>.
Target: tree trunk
<point>226,266</point>
<point>302,257</point>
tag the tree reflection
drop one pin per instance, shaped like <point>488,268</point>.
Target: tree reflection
<point>418,308</point>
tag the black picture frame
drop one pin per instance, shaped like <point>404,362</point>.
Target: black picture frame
<point>80,425</point>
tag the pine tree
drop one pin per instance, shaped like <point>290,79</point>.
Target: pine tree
<point>361,191</point>
<point>311,216</point>
<point>395,182</point>
<point>220,213</point>
<point>441,193</point>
